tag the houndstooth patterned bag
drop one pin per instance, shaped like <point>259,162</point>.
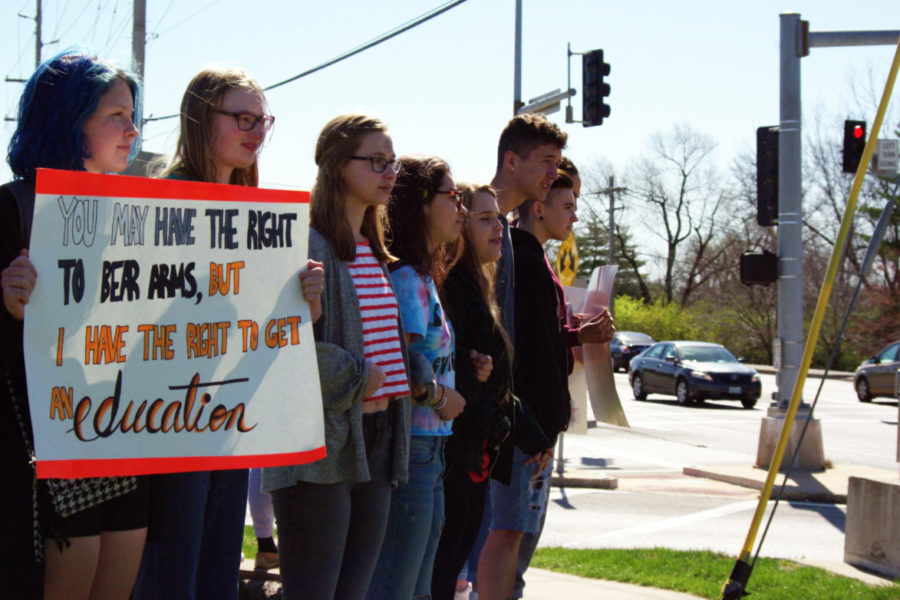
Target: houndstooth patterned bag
<point>70,496</point>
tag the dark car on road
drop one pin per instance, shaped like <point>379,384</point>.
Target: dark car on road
<point>625,345</point>
<point>693,372</point>
<point>878,375</point>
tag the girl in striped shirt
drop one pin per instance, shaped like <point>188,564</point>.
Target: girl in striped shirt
<point>332,513</point>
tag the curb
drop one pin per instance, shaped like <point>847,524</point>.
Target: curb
<point>597,483</point>
<point>790,493</point>
<point>813,373</point>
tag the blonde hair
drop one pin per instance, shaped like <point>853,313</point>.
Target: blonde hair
<point>484,274</point>
<point>197,138</point>
<point>339,140</point>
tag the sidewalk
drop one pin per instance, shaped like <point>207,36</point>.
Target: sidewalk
<point>545,585</point>
<point>739,480</point>
<point>828,487</point>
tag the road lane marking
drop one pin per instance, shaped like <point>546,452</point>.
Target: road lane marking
<point>698,517</point>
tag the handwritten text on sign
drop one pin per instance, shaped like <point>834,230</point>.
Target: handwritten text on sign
<point>167,330</point>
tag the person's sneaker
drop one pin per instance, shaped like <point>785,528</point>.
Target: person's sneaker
<point>266,561</point>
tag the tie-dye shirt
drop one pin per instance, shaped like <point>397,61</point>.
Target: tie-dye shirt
<point>424,319</point>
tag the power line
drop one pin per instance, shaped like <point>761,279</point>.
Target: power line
<point>114,32</point>
<point>370,44</point>
<point>76,20</point>
<point>184,20</point>
<point>120,29</point>
<point>154,34</point>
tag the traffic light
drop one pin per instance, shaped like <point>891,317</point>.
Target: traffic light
<point>767,176</point>
<point>854,144</point>
<point>759,268</point>
<point>594,108</point>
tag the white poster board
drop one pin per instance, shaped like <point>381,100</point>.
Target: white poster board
<point>167,330</point>
<point>601,385</point>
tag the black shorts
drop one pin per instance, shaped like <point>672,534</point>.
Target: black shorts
<point>124,513</point>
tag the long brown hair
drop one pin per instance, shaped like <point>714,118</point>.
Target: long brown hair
<point>339,140</point>
<point>197,138</point>
<point>484,274</point>
<point>407,235</point>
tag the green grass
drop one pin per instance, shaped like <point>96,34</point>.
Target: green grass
<point>703,573</point>
<point>249,546</point>
<point>693,572</point>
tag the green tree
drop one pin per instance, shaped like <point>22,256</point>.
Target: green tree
<point>592,238</point>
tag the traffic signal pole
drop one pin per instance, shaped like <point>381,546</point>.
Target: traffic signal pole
<point>792,358</point>
<point>796,40</point>
<point>517,67</point>
<point>789,343</point>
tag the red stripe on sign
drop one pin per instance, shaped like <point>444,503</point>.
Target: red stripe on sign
<point>53,181</point>
<point>146,466</point>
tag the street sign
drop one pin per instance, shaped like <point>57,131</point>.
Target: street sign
<point>546,103</point>
<point>887,158</point>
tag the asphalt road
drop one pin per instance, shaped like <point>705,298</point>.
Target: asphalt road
<point>656,505</point>
<point>852,432</point>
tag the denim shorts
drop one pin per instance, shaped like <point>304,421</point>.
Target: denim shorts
<point>520,505</point>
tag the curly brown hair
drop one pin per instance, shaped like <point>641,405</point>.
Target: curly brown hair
<point>407,236</point>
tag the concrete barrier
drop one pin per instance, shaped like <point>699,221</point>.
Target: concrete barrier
<point>871,537</point>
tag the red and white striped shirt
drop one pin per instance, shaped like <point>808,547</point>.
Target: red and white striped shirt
<point>380,321</point>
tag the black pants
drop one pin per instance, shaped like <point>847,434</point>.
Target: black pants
<point>330,535</point>
<point>21,576</point>
<point>463,508</point>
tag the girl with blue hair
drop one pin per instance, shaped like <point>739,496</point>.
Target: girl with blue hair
<point>78,113</point>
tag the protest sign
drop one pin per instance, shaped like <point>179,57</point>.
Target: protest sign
<point>167,329</point>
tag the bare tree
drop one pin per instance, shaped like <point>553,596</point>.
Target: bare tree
<point>680,191</point>
<point>592,234</point>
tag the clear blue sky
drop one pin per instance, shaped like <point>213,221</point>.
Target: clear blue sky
<point>446,87</point>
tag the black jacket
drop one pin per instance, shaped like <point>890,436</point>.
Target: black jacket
<point>543,360</point>
<point>487,417</point>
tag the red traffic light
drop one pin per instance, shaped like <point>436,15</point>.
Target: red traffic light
<point>854,144</point>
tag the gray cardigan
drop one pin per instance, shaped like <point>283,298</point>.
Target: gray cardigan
<point>342,373</point>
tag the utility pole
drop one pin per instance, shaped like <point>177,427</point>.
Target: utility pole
<point>38,45</point>
<point>138,37</point>
<point>38,18</point>
<point>38,35</point>
<point>612,237</point>
<point>611,191</point>
<point>517,67</point>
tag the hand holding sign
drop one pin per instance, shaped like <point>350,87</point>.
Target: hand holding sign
<point>312,283</point>
<point>17,282</point>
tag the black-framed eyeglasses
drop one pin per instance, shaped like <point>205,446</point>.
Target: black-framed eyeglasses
<point>454,194</point>
<point>247,121</point>
<point>379,163</point>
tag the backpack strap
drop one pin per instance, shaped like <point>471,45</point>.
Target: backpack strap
<point>396,265</point>
<point>23,193</point>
